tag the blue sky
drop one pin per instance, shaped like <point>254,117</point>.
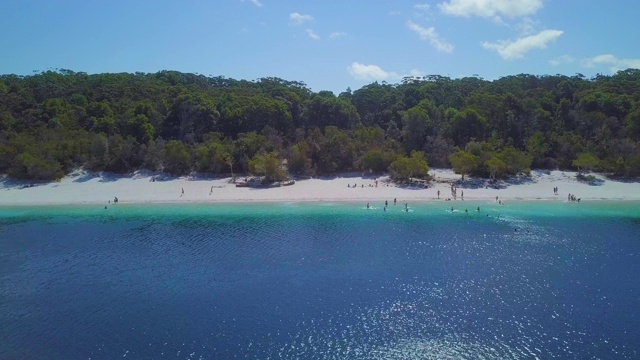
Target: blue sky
<point>329,45</point>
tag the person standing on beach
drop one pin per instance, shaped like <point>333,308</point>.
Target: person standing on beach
<point>182,192</point>
<point>438,194</point>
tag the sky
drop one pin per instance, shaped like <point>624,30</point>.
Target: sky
<point>327,44</point>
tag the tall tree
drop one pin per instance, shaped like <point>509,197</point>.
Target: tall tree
<point>463,162</point>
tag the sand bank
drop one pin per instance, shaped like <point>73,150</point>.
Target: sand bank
<point>141,188</point>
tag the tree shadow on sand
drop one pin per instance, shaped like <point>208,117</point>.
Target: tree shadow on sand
<point>412,186</point>
<point>86,177</point>
<point>7,184</point>
<point>110,177</point>
<point>103,177</point>
<point>590,180</point>
<point>626,180</point>
<point>479,183</point>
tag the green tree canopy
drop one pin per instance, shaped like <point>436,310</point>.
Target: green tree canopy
<point>405,168</point>
<point>584,162</point>
<point>177,159</point>
<point>123,122</point>
<point>516,161</point>
<point>269,166</point>
<point>463,162</point>
<point>496,167</point>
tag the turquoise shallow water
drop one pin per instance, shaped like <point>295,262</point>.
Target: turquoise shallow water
<point>321,280</point>
<point>519,208</point>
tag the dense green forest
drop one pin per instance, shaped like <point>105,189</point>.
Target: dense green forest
<point>55,121</point>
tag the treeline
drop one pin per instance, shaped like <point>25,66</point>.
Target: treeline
<point>55,121</point>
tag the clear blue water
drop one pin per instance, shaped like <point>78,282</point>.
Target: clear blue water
<point>322,281</point>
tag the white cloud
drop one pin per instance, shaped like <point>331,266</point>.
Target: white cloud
<point>605,59</point>
<point>527,26</point>
<point>337,34</point>
<point>564,59</point>
<point>612,61</point>
<point>422,10</point>
<point>422,7</point>
<point>516,49</point>
<point>254,2</point>
<point>394,13</point>
<point>498,20</point>
<point>369,72</point>
<point>312,34</point>
<point>298,18</point>
<point>415,73</point>
<point>430,35</point>
<point>375,73</point>
<point>491,8</point>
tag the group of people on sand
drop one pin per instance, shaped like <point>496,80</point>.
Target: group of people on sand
<point>355,185</point>
<point>572,198</point>
<point>454,193</point>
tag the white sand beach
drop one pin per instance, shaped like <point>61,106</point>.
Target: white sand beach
<point>141,188</point>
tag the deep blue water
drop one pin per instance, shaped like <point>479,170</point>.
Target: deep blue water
<point>322,281</point>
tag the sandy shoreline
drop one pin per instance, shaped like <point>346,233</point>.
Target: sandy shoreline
<point>140,188</point>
